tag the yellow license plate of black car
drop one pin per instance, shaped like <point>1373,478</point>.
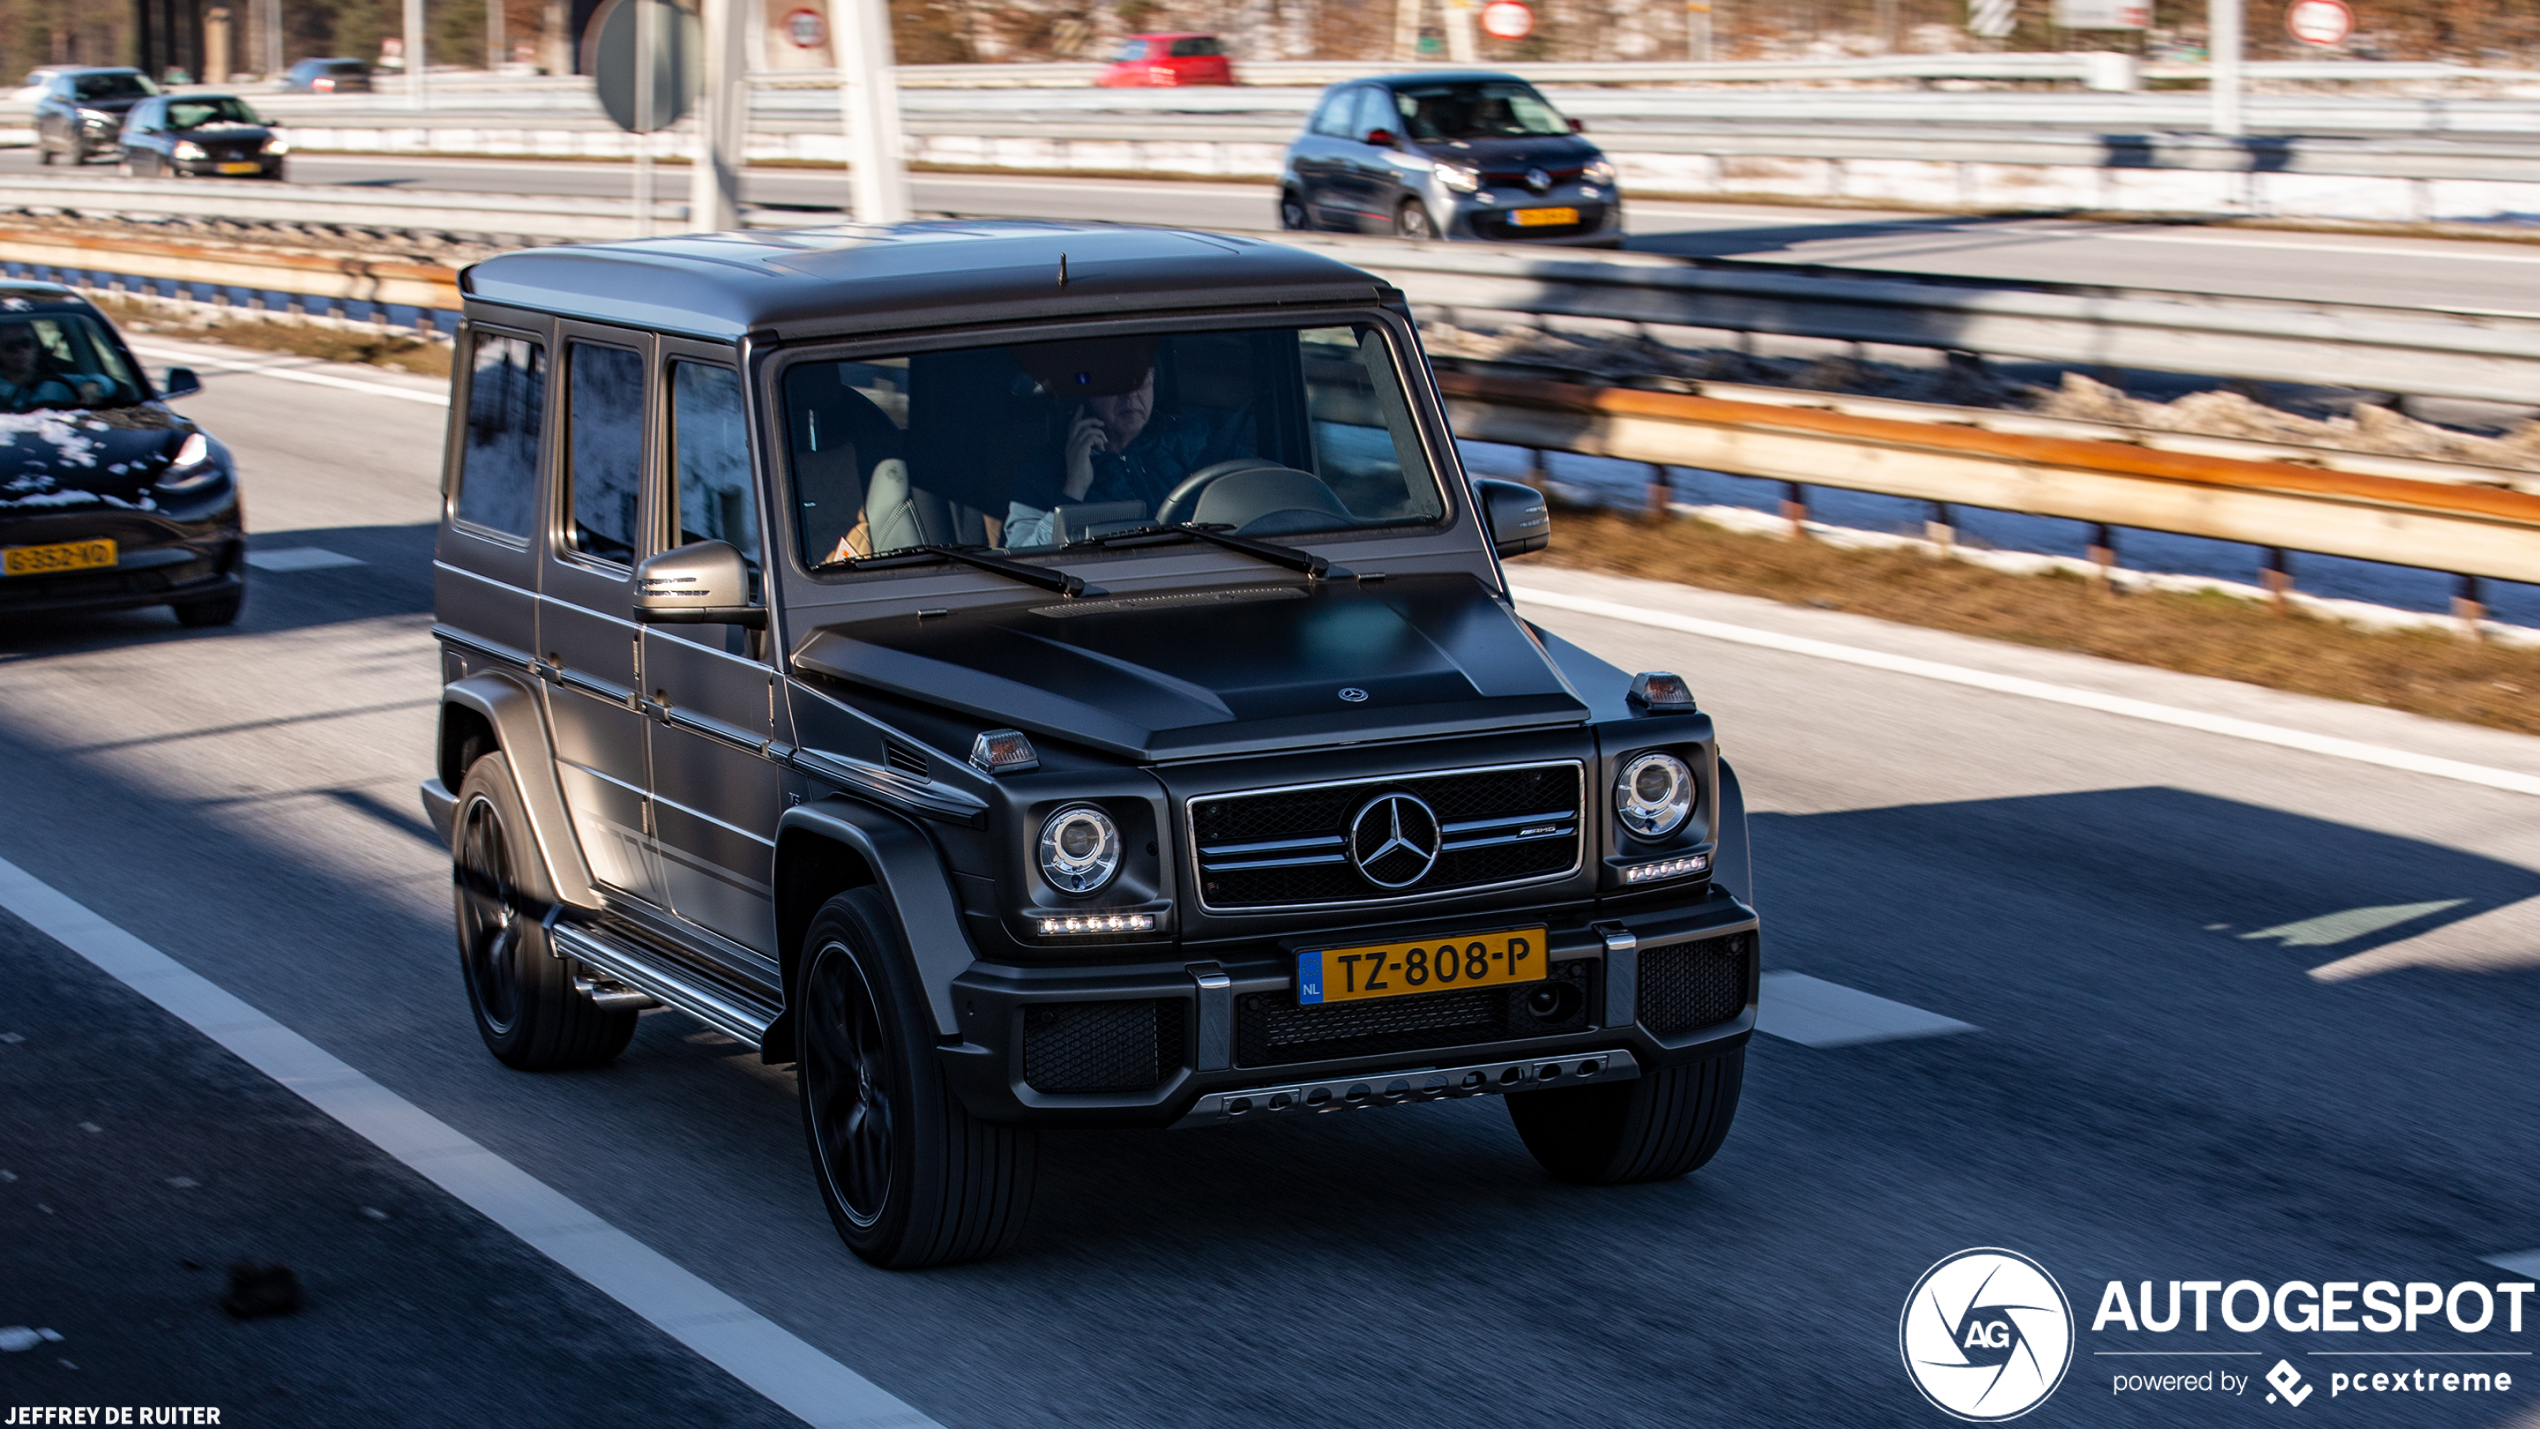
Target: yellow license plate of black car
<point>1432,965</point>
<point>1543,217</point>
<point>245,168</point>
<point>67,556</point>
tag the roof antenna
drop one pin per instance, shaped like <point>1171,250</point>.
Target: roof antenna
<point>1062,270</point>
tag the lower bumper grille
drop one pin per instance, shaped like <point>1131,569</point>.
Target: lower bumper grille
<point>1271,1028</point>
<point>1085,1047</point>
<point>1693,985</point>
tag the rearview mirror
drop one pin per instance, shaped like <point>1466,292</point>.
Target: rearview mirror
<point>181,383</point>
<point>704,583</point>
<point>1518,520</point>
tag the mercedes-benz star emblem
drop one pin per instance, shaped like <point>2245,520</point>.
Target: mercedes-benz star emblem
<point>1354,695</point>
<point>1538,180</point>
<point>1394,841</point>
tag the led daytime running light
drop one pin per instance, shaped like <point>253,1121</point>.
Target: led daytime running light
<point>1668,868</point>
<point>1098,923</point>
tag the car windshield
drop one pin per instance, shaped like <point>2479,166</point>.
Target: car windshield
<point>1270,433</point>
<point>212,110</point>
<point>61,361</point>
<point>1481,109</point>
<point>113,86</point>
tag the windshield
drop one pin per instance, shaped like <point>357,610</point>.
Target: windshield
<point>61,361</point>
<point>1482,109</point>
<point>218,109</point>
<point>113,86</point>
<point>1272,432</point>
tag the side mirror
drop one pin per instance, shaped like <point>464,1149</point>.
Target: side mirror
<point>1578,126</point>
<point>181,383</point>
<point>1381,138</point>
<point>1515,514</point>
<point>704,583</point>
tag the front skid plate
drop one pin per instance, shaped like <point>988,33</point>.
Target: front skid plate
<point>1418,1084</point>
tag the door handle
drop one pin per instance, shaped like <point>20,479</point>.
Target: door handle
<point>655,710</point>
<point>546,670</point>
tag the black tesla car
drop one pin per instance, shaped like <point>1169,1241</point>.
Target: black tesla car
<point>108,499</point>
<point>189,135</point>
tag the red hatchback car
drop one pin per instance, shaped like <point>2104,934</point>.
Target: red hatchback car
<point>1167,61</point>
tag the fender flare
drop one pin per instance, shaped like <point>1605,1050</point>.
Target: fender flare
<point>511,708</point>
<point>904,864</point>
<point>1733,867</point>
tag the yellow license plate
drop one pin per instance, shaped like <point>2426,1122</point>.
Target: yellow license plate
<point>1543,217</point>
<point>45,560</point>
<point>247,168</point>
<point>1407,969</point>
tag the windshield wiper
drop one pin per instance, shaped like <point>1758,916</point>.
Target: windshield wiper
<point>1314,566</point>
<point>1059,581</point>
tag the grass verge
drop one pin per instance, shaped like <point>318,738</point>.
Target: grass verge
<point>329,344</point>
<point>2207,633</point>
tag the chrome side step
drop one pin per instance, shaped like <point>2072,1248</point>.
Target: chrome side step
<point>1419,1084</point>
<point>733,1013</point>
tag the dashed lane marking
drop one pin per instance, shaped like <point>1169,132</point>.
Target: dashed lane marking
<point>2521,1262</point>
<point>753,1349</point>
<point>2509,780</point>
<point>300,558</point>
<point>1815,1013</point>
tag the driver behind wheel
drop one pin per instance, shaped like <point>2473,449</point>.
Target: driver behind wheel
<point>24,384</point>
<point>1116,449</point>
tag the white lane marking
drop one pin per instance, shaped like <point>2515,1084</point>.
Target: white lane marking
<point>293,374</point>
<point>299,558</point>
<point>1815,1013</point>
<point>2330,929</point>
<point>754,1350</point>
<point>2521,1262</point>
<point>2327,744</point>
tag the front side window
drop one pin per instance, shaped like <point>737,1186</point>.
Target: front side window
<point>1193,49</point>
<point>62,362</point>
<point>94,87</point>
<point>1271,432</point>
<point>506,414</point>
<point>605,453</point>
<point>710,455</point>
<point>1374,113</point>
<point>1332,120</point>
<point>1477,109</point>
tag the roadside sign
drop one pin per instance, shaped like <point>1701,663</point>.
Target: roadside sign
<point>1507,20</point>
<point>1992,19</point>
<point>806,29</point>
<point>2103,14</point>
<point>678,64</point>
<point>2325,23</point>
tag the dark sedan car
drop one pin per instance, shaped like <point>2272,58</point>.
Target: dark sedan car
<point>328,76</point>
<point>108,500</point>
<point>1453,155</point>
<point>80,113</point>
<point>189,135</point>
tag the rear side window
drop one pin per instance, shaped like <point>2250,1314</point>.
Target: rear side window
<point>711,449</point>
<point>498,452</point>
<point>605,397</point>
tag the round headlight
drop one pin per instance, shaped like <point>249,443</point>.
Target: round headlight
<point>1080,849</point>
<point>1654,795</point>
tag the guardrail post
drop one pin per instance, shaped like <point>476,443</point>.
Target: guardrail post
<point>1940,530</point>
<point>1795,509</point>
<point>2103,553</point>
<point>2467,606</point>
<point>1662,493</point>
<point>2278,577</point>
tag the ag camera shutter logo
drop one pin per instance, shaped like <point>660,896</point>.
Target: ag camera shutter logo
<point>1986,1335</point>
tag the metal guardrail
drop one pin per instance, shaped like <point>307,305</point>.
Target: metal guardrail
<point>2473,524</point>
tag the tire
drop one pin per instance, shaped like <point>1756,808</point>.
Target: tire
<point>123,167</point>
<point>211,610</point>
<point>910,1178</point>
<point>1292,215</point>
<point>43,153</point>
<point>1412,221</point>
<point>1654,1129</point>
<point>521,994</point>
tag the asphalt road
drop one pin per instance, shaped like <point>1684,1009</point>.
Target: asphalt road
<point>2442,273</point>
<point>2239,1011</point>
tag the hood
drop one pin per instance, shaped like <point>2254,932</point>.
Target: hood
<point>1197,674</point>
<point>1515,156</point>
<point>65,460</point>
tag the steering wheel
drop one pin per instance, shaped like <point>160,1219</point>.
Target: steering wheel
<point>1179,503</point>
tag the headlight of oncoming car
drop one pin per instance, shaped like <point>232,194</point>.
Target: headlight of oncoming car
<point>191,468</point>
<point>1080,849</point>
<point>1654,795</point>
<point>1600,172</point>
<point>188,149</point>
<point>1463,178</point>
<point>277,146</point>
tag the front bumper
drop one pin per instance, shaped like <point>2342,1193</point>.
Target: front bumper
<point>267,167</point>
<point>1486,215</point>
<point>156,563</point>
<point>1190,1043</point>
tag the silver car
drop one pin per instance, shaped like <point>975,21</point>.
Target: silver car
<point>1449,155</point>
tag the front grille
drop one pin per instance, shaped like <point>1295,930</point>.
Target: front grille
<point>1082,1047</point>
<point>1272,1028</point>
<point>1292,847</point>
<point>1516,178</point>
<point>1691,985</point>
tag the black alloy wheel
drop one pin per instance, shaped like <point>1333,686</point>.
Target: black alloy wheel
<point>909,1176</point>
<point>527,1009</point>
<point>1292,215</point>
<point>1412,221</point>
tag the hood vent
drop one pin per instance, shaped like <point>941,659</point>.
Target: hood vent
<point>905,758</point>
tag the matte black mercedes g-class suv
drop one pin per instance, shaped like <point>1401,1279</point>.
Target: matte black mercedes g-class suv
<point>1042,677</point>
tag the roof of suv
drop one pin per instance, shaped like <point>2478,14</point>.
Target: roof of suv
<point>848,279</point>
